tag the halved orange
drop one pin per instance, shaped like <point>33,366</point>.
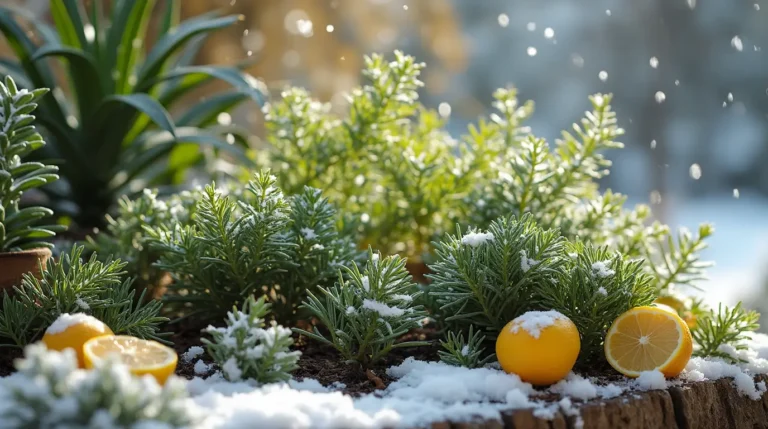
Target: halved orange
<point>141,356</point>
<point>648,339</point>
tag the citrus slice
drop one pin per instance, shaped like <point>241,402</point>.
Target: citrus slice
<point>648,339</point>
<point>71,331</point>
<point>141,356</point>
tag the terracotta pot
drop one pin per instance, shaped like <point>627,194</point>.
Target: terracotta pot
<point>13,265</point>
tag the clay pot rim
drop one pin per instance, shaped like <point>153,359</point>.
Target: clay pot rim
<point>37,251</point>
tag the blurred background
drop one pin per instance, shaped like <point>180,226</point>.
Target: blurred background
<point>690,80</point>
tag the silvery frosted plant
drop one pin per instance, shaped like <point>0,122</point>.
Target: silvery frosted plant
<point>366,314</point>
<point>245,349</point>
<point>48,391</point>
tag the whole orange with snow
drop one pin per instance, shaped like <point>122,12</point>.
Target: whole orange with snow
<point>540,346</point>
<point>72,331</point>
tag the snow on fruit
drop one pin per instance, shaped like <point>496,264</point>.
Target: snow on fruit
<point>72,331</point>
<point>540,346</point>
<point>649,339</point>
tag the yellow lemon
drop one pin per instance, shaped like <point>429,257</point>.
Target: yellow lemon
<point>647,339</point>
<point>71,331</point>
<point>540,346</point>
<point>140,356</point>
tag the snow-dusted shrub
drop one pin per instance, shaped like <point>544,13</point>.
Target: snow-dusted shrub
<point>485,280</point>
<point>725,332</point>
<point>470,353</point>
<point>124,235</point>
<point>255,241</point>
<point>487,283</point>
<point>48,391</point>
<point>246,349</point>
<point>366,314</point>
<point>70,284</point>
<point>597,286</point>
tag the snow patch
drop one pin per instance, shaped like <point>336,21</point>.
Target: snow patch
<point>475,239</point>
<point>383,309</point>
<point>600,269</point>
<point>651,380</point>
<point>699,369</point>
<point>201,368</point>
<point>192,353</point>
<point>525,262</point>
<point>63,322</point>
<point>533,322</point>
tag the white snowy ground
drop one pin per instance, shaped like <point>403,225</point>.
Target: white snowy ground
<point>427,392</point>
<point>424,392</point>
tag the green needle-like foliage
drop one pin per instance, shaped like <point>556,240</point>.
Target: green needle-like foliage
<point>71,285</point>
<point>256,242</point>
<point>246,349</point>
<point>388,160</point>
<point>469,354</point>
<point>366,314</point>
<point>597,286</point>
<point>19,228</point>
<point>487,279</point>
<point>722,333</point>
<point>112,129</point>
<point>125,235</point>
<point>483,280</point>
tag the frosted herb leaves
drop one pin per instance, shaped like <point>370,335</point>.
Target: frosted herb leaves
<point>470,353</point>
<point>486,284</point>
<point>366,314</point>
<point>48,391</point>
<point>73,285</point>
<point>253,241</point>
<point>247,349</point>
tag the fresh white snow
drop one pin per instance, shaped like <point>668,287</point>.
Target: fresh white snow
<point>192,353</point>
<point>475,238</point>
<point>533,322</point>
<point>651,380</point>
<point>422,393</point>
<point>383,309</point>
<point>600,269</point>
<point>525,262</point>
<point>63,322</point>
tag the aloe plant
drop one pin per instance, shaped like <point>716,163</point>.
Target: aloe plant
<point>112,131</point>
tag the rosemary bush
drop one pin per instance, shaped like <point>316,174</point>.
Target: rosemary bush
<point>722,333</point>
<point>486,279</point>
<point>19,229</point>
<point>256,242</point>
<point>367,313</point>
<point>72,285</point>
<point>245,349</point>
<point>125,235</point>
<point>597,286</point>
<point>48,391</point>
<point>469,354</point>
<point>387,160</point>
<point>113,128</point>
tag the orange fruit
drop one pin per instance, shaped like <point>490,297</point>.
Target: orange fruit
<point>540,346</point>
<point>71,331</point>
<point>142,357</point>
<point>648,339</point>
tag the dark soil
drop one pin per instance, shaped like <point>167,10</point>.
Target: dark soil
<point>7,356</point>
<point>325,364</point>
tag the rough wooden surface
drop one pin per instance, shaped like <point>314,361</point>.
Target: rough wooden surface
<point>704,405</point>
